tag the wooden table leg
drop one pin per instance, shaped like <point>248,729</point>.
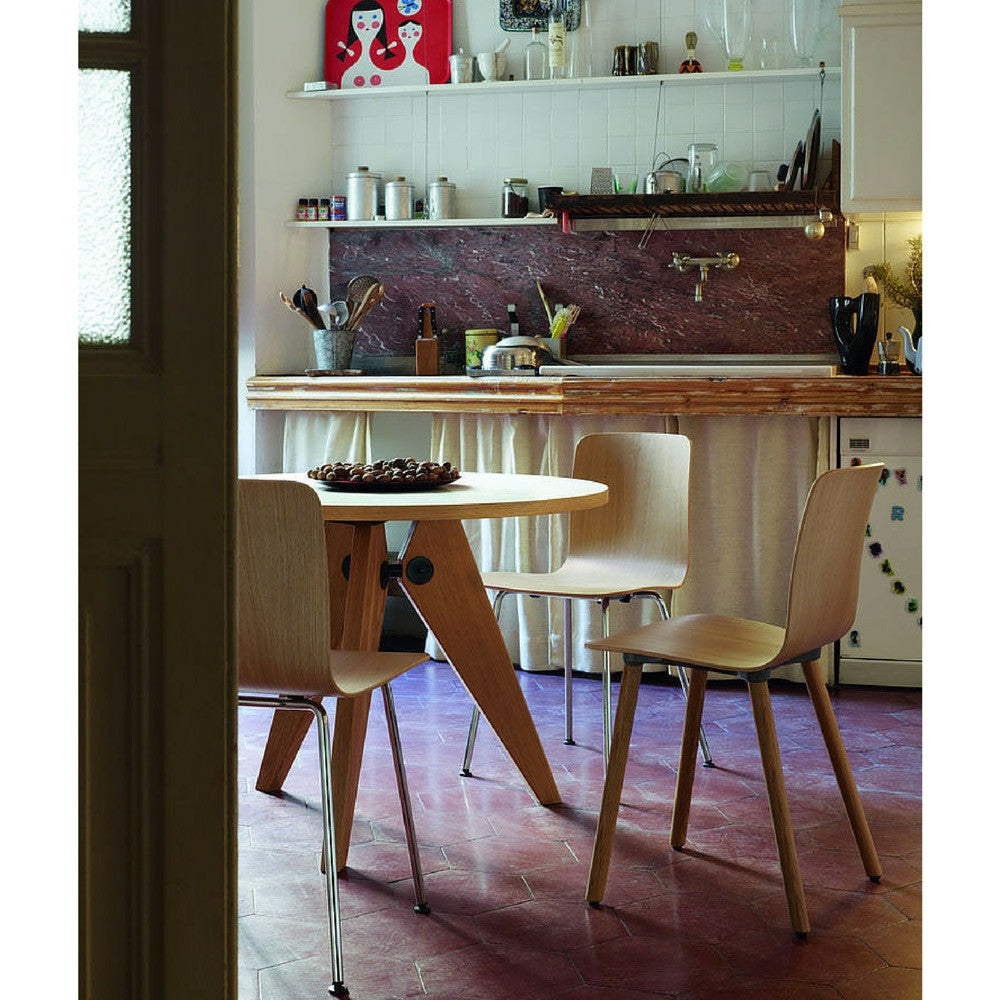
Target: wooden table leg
<point>364,610</point>
<point>453,604</point>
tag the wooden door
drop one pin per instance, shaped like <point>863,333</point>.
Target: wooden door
<point>156,499</point>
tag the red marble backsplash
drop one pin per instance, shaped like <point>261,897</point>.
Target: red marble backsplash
<point>631,300</point>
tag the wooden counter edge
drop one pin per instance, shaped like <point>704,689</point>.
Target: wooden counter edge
<point>841,395</point>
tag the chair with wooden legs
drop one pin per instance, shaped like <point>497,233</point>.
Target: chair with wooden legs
<point>285,659</point>
<point>634,547</point>
<point>822,602</point>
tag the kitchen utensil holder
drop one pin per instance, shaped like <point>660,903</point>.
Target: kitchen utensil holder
<point>334,349</point>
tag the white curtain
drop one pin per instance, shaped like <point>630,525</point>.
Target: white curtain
<point>749,480</point>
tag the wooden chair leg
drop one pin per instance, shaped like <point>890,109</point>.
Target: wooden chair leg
<point>614,778</point>
<point>688,758</point>
<point>842,768</point>
<point>784,836</point>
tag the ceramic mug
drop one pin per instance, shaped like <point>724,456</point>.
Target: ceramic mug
<point>476,341</point>
<point>487,63</point>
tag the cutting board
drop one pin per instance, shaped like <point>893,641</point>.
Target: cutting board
<point>387,43</point>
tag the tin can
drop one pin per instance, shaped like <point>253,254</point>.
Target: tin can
<point>398,199</point>
<point>647,59</point>
<point>338,208</point>
<point>362,194</point>
<point>476,341</point>
<point>442,196</point>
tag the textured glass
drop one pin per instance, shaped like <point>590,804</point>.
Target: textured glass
<point>105,15</point>
<point>105,211</point>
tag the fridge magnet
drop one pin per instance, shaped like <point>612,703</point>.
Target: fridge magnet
<point>854,638</point>
<point>897,512</point>
<point>886,568</point>
<point>898,587</point>
<point>523,15</point>
<point>875,550</point>
<point>387,43</point>
<point>900,475</point>
<point>912,605</point>
<point>884,477</point>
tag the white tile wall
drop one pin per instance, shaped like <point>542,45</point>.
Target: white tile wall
<point>556,138</point>
<point>883,238</point>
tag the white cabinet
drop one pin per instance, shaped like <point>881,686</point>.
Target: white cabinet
<point>881,107</point>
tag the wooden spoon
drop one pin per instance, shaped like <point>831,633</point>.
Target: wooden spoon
<point>371,299</point>
<point>356,289</point>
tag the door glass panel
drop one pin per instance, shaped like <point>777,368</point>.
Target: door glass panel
<point>104,239</point>
<point>105,15</point>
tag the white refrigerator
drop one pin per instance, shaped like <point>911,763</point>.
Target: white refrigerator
<point>884,646</point>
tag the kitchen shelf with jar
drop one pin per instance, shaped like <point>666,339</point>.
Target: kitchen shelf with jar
<point>568,84</point>
<point>419,223</point>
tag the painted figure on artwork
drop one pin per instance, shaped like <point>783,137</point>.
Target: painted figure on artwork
<point>375,43</point>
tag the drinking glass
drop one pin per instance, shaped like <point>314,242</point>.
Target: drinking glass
<point>736,31</point>
<point>804,19</point>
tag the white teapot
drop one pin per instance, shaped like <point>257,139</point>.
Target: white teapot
<point>914,353</point>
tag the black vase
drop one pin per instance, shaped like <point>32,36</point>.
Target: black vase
<point>855,327</point>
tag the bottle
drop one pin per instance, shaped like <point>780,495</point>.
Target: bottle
<point>535,57</point>
<point>557,41</point>
<point>581,56</point>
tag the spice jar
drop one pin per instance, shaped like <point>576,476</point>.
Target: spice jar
<point>515,198</point>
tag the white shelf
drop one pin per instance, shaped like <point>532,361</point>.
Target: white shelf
<point>574,83</point>
<point>419,223</point>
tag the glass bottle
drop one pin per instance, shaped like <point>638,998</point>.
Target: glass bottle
<point>557,41</point>
<point>536,57</point>
<point>581,56</point>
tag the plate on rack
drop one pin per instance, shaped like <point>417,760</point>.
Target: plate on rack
<point>523,15</point>
<point>809,178</point>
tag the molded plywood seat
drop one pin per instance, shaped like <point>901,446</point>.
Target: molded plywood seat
<point>822,601</point>
<point>285,659</point>
<point>634,547</point>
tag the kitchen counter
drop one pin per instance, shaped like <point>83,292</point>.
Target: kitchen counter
<point>840,395</point>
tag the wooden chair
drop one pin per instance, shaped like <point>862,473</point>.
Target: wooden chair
<point>634,547</point>
<point>822,602</point>
<point>285,659</point>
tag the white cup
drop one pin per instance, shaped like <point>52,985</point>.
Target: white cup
<point>487,63</point>
<point>760,180</point>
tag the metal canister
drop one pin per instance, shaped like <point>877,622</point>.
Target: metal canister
<point>362,194</point>
<point>398,199</point>
<point>442,196</point>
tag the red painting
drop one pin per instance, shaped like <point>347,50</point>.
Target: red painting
<point>387,43</point>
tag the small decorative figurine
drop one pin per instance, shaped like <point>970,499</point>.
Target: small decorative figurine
<point>690,64</point>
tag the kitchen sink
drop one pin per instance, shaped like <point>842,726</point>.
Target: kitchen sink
<point>694,369</point>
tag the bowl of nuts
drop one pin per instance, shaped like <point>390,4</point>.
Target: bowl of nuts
<point>384,476</point>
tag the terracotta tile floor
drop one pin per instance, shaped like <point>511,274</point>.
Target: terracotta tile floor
<point>506,876</point>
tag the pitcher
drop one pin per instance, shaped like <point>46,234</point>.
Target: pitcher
<point>855,327</point>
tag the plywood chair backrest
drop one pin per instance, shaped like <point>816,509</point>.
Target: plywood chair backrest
<point>645,522</point>
<point>284,605</point>
<point>823,590</point>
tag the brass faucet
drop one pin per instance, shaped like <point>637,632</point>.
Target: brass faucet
<point>683,262</point>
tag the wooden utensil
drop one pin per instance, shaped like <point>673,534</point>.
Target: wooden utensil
<point>295,309</point>
<point>371,299</point>
<point>356,289</point>
<point>305,299</point>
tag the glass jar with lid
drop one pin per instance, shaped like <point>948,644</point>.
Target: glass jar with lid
<point>514,198</point>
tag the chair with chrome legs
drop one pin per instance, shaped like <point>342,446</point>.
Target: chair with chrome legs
<point>634,547</point>
<point>822,602</point>
<point>285,660</point>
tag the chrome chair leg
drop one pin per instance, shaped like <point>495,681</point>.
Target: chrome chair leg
<point>419,891</point>
<point>606,681</point>
<point>568,669</point>
<point>337,987</point>
<point>470,740</point>
<point>682,676</point>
